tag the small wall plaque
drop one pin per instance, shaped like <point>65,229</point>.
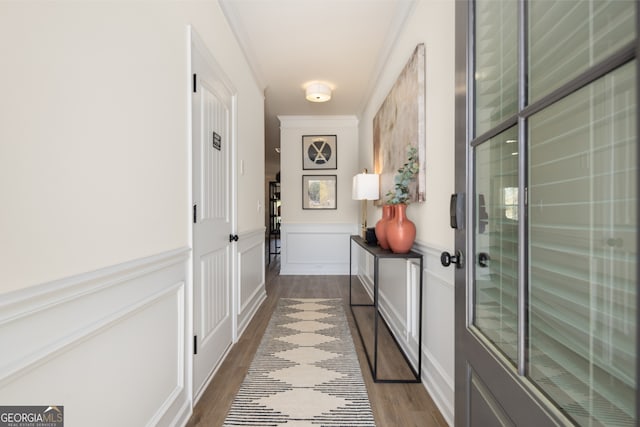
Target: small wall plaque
<point>217,141</point>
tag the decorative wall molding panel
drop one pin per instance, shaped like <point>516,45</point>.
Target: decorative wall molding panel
<point>316,249</point>
<point>113,338</point>
<point>251,284</point>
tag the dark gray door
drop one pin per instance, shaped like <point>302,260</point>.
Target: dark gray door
<point>546,164</point>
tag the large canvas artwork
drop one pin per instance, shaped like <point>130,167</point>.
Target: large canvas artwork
<point>399,123</point>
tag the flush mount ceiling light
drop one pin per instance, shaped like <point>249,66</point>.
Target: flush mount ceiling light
<point>318,92</point>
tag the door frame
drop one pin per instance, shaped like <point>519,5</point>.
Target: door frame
<point>461,137</point>
<point>194,41</point>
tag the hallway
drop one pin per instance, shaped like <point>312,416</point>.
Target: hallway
<point>527,113</point>
<point>393,404</point>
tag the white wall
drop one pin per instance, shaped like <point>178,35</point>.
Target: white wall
<point>431,23</point>
<point>93,154</point>
<point>94,180</point>
<point>317,241</point>
<point>292,128</point>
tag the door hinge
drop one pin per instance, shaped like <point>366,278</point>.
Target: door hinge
<point>195,213</point>
<point>194,84</point>
<point>195,344</point>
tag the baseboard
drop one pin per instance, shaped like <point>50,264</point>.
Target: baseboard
<point>115,333</point>
<point>249,310</point>
<point>213,373</point>
<point>182,415</point>
<point>439,385</point>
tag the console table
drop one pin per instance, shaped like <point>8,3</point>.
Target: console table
<point>379,253</point>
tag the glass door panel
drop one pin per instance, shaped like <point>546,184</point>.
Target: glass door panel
<point>496,63</point>
<point>496,242</point>
<point>568,36</point>
<point>582,231</point>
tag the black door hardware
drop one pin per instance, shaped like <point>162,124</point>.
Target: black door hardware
<point>483,259</point>
<point>456,211</point>
<point>446,259</point>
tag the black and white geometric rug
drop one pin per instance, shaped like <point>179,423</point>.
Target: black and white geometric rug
<point>305,372</point>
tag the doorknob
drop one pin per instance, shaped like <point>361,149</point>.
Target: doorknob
<point>446,259</point>
<point>233,237</point>
<point>483,259</point>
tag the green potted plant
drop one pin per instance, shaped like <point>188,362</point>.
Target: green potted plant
<point>400,231</point>
<point>406,174</point>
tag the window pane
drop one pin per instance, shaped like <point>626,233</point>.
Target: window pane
<point>496,73</point>
<point>568,36</point>
<point>582,251</point>
<point>496,242</point>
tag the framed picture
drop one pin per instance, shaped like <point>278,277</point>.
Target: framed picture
<point>319,152</point>
<point>319,191</point>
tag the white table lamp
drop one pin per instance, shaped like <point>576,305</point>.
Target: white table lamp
<point>366,186</point>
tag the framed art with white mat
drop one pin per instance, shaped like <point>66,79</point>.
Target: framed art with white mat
<point>319,191</point>
<point>319,152</point>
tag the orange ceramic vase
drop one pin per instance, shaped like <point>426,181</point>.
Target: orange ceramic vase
<point>401,231</point>
<point>381,226</point>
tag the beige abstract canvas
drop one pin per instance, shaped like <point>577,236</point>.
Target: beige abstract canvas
<point>400,123</point>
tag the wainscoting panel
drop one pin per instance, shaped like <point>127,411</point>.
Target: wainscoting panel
<point>214,303</point>
<point>251,268</point>
<point>394,290</point>
<point>316,249</point>
<point>438,339</point>
<point>114,338</point>
<point>398,290</point>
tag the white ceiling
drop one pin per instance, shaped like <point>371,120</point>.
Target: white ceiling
<point>290,43</point>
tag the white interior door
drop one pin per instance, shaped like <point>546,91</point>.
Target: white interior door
<point>212,220</point>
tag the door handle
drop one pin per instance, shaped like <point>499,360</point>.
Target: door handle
<point>446,259</point>
<point>233,237</point>
<point>456,211</point>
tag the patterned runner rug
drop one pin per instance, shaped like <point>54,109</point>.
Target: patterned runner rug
<point>305,372</point>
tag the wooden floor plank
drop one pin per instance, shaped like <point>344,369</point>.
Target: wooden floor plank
<point>393,404</point>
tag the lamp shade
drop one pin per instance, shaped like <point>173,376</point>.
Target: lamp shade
<point>366,186</point>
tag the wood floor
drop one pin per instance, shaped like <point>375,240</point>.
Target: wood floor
<point>393,404</point>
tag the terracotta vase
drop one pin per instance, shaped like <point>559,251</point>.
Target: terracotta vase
<point>401,231</point>
<point>381,226</point>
